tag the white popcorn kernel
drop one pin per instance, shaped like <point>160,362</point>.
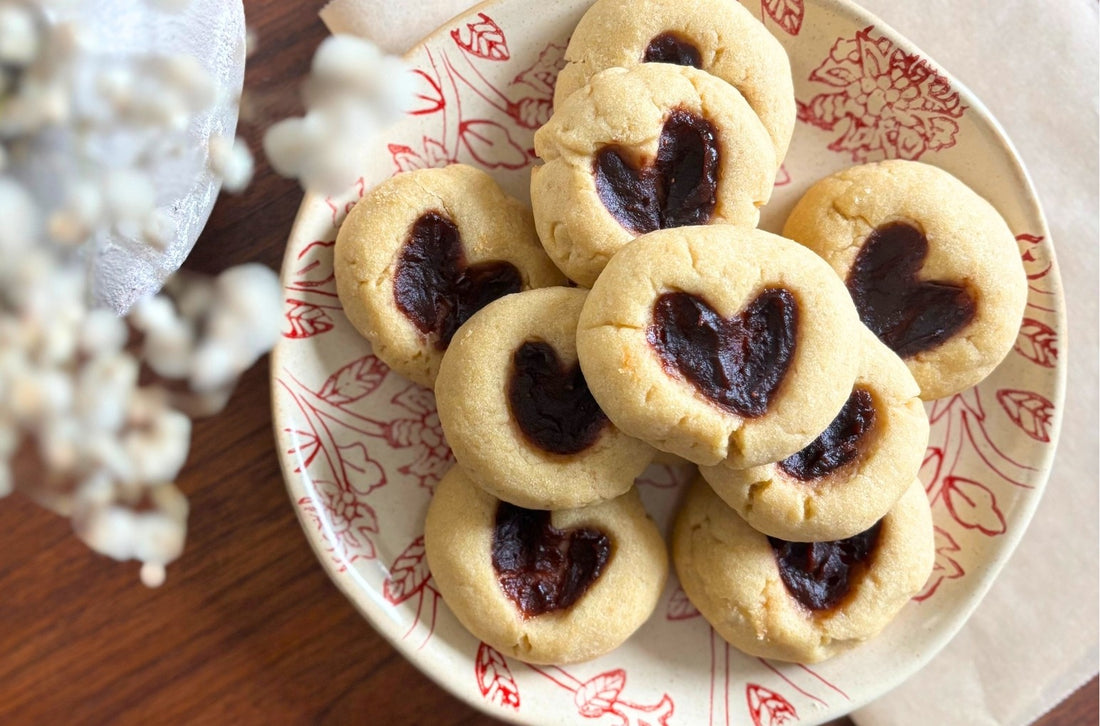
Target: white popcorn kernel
<point>168,350</point>
<point>40,394</point>
<point>289,143</point>
<point>6,483</point>
<point>104,385</point>
<point>21,224</point>
<point>153,574</point>
<point>159,442</point>
<point>102,333</point>
<point>158,229</point>
<point>154,314</point>
<point>213,367</point>
<point>232,161</point>
<point>20,37</point>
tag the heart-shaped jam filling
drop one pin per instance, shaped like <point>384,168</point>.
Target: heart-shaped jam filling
<point>435,287</point>
<point>676,189</point>
<point>672,48</point>
<point>552,404</point>
<point>541,568</point>
<point>820,574</point>
<point>908,314</point>
<point>838,444</point>
<point>736,363</point>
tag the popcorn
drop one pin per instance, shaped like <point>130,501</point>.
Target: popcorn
<point>354,92</point>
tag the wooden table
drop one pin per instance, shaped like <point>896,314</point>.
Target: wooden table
<point>248,628</point>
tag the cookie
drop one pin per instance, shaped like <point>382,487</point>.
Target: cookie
<point>720,37</point>
<point>518,413</point>
<point>933,268</point>
<point>719,344</point>
<point>654,147</point>
<point>425,250</point>
<point>545,587</point>
<point>850,476</point>
<point>802,602</point>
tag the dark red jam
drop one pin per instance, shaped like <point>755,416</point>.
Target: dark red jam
<point>435,287</point>
<point>672,48</point>
<point>821,574</point>
<point>540,568</point>
<point>908,314</point>
<point>737,363</point>
<point>837,445</point>
<point>552,404</point>
<point>677,189</point>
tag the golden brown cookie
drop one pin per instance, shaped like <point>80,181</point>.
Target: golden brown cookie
<point>801,602</point>
<point>545,587</point>
<point>654,147</point>
<point>933,268</point>
<point>517,411</point>
<point>719,344</point>
<point>720,37</point>
<point>851,474</point>
<point>425,250</point>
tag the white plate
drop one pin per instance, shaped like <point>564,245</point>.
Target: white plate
<point>361,448</point>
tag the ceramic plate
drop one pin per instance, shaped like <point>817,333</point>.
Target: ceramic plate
<point>361,448</point>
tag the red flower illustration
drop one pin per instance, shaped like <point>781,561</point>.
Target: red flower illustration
<point>679,607</point>
<point>350,521</point>
<point>424,432</point>
<point>887,103</point>
<point>768,708</point>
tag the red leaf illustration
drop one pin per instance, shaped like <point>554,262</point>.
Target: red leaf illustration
<point>782,177</point>
<point>491,144</point>
<point>408,574</point>
<point>1036,260</point>
<point>494,678</point>
<point>406,159</point>
<point>973,505</point>
<point>1030,411</point>
<point>543,73</point>
<point>307,448</point>
<point>597,696</point>
<point>768,708</point>
<point>357,379</point>
<point>1038,343</point>
<point>788,13</point>
<point>945,567</point>
<point>484,39</point>
<point>531,113</point>
<point>315,265</point>
<point>306,320</point>
<point>363,474</point>
<point>930,468</point>
<point>415,399</point>
<point>429,95</point>
<point>679,607</point>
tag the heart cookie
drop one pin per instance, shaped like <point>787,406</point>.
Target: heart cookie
<point>720,344</point>
<point>800,601</point>
<point>654,147</point>
<point>426,249</point>
<point>852,473</point>
<point>934,270</point>
<point>720,37</point>
<point>517,410</point>
<point>545,587</point>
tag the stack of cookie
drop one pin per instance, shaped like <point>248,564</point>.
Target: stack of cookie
<point>772,365</point>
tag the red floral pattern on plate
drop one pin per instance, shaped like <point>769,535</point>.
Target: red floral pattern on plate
<point>887,104</point>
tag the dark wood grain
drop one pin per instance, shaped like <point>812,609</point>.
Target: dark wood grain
<point>248,629</point>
